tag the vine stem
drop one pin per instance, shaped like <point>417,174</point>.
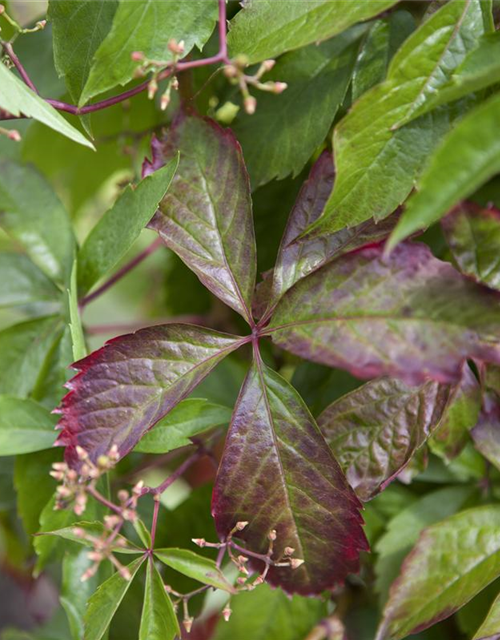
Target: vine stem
<point>100,498</point>
<point>161,488</point>
<point>121,273</point>
<point>7,47</point>
<point>109,102</point>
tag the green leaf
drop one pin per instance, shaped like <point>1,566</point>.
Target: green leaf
<point>490,628</point>
<point>158,621</point>
<point>79,27</point>
<point>33,215</point>
<point>143,533</point>
<point>25,348</point>
<point>375,430</point>
<point>189,418</point>
<point>79,347</point>
<point>120,227</point>
<point>467,157</point>
<point>268,614</point>
<point>265,28</point>
<point>451,562</point>
<point>473,236</point>
<point>404,529</point>
<point>462,412</point>
<point>25,426</point>
<point>377,159</point>
<point>208,208</point>
<point>23,284</point>
<point>277,472</point>
<point>18,99</point>
<point>103,605</point>
<point>147,26</point>
<point>292,125</point>
<point>195,566</point>
<point>96,530</point>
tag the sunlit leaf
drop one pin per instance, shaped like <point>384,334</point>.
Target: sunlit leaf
<point>195,566</point>
<point>277,472</point>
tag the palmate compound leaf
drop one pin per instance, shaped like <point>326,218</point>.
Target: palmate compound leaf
<point>158,620</point>
<point>300,256</point>
<point>452,561</point>
<point>410,316</point>
<point>378,158</point>
<point>277,472</point>
<point>125,387</point>
<point>206,216</point>
<point>375,430</point>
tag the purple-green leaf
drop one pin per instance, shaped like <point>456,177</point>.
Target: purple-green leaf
<point>299,256</point>
<point>206,217</point>
<point>452,561</point>
<point>125,387</point>
<point>375,430</point>
<point>473,235</point>
<point>409,316</point>
<point>486,434</point>
<point>277,472</point>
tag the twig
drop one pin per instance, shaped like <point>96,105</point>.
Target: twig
<point>154,524</point>
<point>7,47</point>
<point>169,70</point>
<point>121,273</point>
<point>100,498</point>
<point>161,488</point>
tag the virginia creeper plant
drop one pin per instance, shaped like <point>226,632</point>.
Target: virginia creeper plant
<point>250,320</point>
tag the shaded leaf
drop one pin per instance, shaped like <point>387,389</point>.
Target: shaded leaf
<point>268,614</point>
<point>18,99</point>
<point>79,27</point>
<point>452,433</point>
<point>300,256</point>
<point>486,434</point>
<point>125,387</point>
<point>96,530</point>
<point>292,125</point>
<point>277,472</point>
<point>119,228</point>
<point>23,284</point>
<point>25,426</point>
<point>451,562</point>
<point>467,157</point>
<point>375,430</point>
<point>264,29</point>
<point>158,621</point>
<point>490,629</point>
<point>473,235</point>
<point>411,316</point>
<point>147,26</point>
<point>195,566</point>
<point>33,215</point>
<point>79,348</point>
<point>105,601</point>
<point>208,210</point>
<point>189,418</point>
<point>404,529</point>
<point>377,159</point>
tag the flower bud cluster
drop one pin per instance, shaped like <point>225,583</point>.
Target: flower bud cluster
<point>235,73</point>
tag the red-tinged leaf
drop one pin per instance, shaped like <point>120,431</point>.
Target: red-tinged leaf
<point>473,235</point>
<point>125,387</point>
<point>486,434</point>
<point>298,257</point>
<point>206,217</point>
<point>452,561</point>
<point>376,429</point>
<point>462,412</point>
<point>409,316</point>
<point>277,472</point>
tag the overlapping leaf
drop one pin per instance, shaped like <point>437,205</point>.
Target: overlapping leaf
<point>298,256</point>
<point>375,430</point>
<point>378,159</point>
<point>124,388</point>
<point>292,125</point>
<point>410,316</point>
<point>206,217</point>
<point>23,284</point>
<point>147,26</point>
<point>265,29</point>
<point>25,426</point>
<point>490,629</point>
<point>467,157</point>
<point>277,472</point>
<point>78,28</point>
<point>452,562</point>
<point>486,434</point>
<point>473,235</point>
